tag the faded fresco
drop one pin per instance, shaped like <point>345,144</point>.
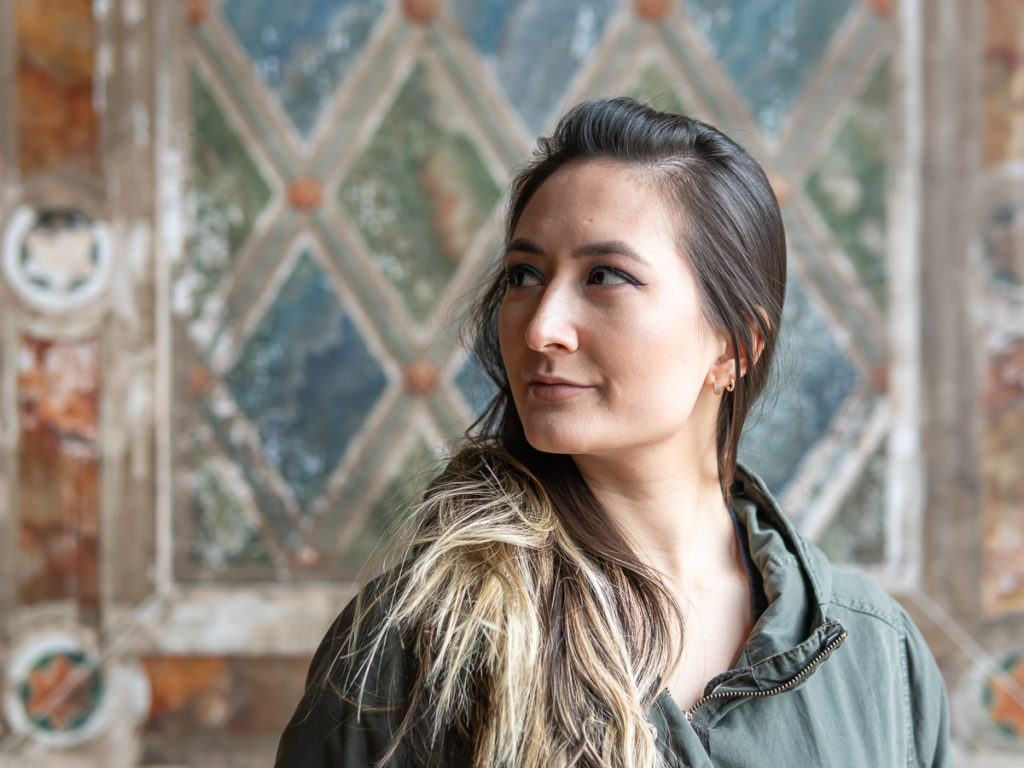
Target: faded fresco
<point>235,240</point>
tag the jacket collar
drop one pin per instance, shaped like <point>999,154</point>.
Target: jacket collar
<point>797,576</point>
<point>794,635</point>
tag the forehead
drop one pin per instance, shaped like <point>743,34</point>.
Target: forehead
<point>593,192</point>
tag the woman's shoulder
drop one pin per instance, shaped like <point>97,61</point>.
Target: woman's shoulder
<point>860,594</point>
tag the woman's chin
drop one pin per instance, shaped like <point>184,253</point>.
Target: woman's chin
<point>547,441</point>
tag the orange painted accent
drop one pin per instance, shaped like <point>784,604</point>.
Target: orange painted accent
<point>176,680</point>
<point>305,193</point>
<point>780,187</point>
<point>306,555</point>
<point>1005,386</point>
<point>58,693</point>
<point>653,10</point>
<point>421,11</point>
<point>196,12</point>
<point>882,7</point>
<point>1007,707</point>
<point>421,378</point>
<point>880,377</point>
<point>199,379</point>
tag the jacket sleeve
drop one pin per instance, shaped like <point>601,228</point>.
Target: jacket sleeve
<point>929,707</point>
<point>330,728</point>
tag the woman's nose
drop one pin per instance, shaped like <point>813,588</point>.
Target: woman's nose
<point>552,326</point>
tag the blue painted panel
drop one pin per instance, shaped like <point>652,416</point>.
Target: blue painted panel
<point>535,47</point>
<point>306,380</point>
<point>484,22</point>
<point>303,48</point>
<point>769,47</point>
<point>811,381</point>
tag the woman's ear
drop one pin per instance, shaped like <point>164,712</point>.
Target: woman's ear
<point>725,366</point>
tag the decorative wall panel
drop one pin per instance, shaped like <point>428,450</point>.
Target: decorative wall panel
<point>237,238</point>
<point>1002,249</point>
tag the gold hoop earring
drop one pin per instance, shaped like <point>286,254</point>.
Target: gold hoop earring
<point>732,384</point>
<point>716,387</point>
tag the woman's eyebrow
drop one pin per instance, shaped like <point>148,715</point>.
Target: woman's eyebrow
<point>602,248</point>
<point>523,245</point>
<point>609,248</point>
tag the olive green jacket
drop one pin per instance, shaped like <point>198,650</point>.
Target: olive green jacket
<point>833,674</point>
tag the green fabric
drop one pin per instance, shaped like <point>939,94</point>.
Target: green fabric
<point>860,686</point>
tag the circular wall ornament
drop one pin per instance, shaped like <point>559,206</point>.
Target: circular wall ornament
<point>1001,697</point>
<point>989,702</point>
<point>55,692</point>
<point>56,260</point>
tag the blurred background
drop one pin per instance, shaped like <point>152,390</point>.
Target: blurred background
<point>236,237</point>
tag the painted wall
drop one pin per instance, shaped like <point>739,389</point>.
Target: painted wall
<point>236,237</point>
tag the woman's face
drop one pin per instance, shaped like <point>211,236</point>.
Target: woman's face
<point>604,342</point>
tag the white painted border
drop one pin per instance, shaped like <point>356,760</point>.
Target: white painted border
<point>904,491</point>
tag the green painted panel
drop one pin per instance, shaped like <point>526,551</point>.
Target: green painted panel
<point>659,90</point>
<point>419,192</point>
<point>849,183</point>
<point>857,533</point>
<point>402,493</point>
<point>227,194</point>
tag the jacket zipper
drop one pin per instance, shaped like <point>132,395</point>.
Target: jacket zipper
<point>771,691</point>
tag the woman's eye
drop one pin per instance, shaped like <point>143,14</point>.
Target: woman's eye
<point>609,276</point>
<point>522,275</point>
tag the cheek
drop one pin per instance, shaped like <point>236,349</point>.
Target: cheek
<point>671,352</point>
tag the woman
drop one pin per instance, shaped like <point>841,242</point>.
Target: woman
<point>592,580</point>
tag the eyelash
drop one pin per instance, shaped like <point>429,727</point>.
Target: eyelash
<point>517,270</point>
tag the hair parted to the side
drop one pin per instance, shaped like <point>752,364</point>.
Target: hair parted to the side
<point>539,636</point>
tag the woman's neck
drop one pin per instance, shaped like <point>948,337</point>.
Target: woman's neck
<point>673,515</point>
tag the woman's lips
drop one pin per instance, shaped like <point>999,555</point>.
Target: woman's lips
<point>551,390</point>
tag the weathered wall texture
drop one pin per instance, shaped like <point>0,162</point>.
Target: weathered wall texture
<point>235,233</point>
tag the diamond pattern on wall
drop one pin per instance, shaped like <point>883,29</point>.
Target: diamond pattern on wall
<point>302,49</point>
<point>306,380</point>
<point>849,184</point>
<point>535,46</point>
<point>403,491</point>
<point>658,89</point>
<point>228,193</point>
<point>223,535</point>
<point>857,533</point>
<point>419,192</point>
<point>769,47</point>
<point>811,380</point>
